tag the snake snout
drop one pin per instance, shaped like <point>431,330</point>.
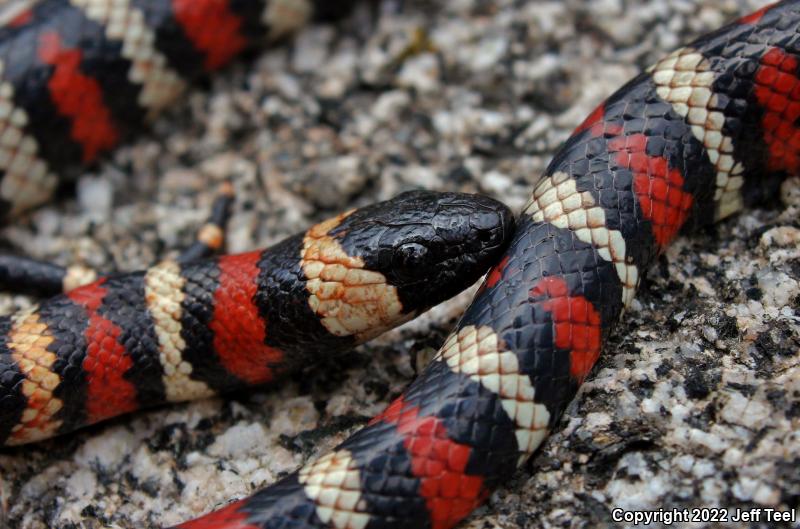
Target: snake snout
<point>476,225</point>
<point>493,222</point>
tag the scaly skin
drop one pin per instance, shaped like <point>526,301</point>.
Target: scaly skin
<point>692,140</point>
<point>181,331</point>
<point>80,77</point>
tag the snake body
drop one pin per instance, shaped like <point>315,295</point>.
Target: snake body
<point>704,132</point>
<point>181,331</point>
<point>80,77</point>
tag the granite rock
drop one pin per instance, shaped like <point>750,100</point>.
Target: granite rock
<point>695,402</point>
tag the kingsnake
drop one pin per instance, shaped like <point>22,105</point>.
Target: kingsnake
<point>704,132</point>
<point>181,331</point>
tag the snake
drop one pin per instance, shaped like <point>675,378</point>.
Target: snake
<point>185,330</point>
<point>703,133</point>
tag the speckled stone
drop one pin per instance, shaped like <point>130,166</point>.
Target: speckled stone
<point>695,402</point>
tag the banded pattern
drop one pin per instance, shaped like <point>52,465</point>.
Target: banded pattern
<point>164,295</point>
<point>702,133</point>
<point>78,77</point>
<point>26,177</point>
<point>334,484</point>
<point>557,201</point>
<point>123,23</point>
<point>685,79</point>
<point>477,352</point>
<point>185,330</point>
<point>28,342</point>
<point>348,299</point>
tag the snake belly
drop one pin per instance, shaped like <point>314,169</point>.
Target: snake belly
<point>80,77</point>
<point>704,132</point>
<point>183,331</point>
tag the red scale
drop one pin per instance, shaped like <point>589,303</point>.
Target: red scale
<point>79,98</point>
<point>659,188</point>
<point>576,324</point>
<point>438,462</point>
<point>239,330</point>
<point>212,28</point>
<point>778,92</point>
<point>106,360</point>
<point>228,517</point>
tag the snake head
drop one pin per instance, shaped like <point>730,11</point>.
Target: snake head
<point>427,245</point>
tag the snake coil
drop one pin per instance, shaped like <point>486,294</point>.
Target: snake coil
<point>704,132</point>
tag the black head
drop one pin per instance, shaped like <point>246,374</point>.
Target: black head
<point>429,245</point>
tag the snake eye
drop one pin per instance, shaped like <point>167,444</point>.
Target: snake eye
<point>410,259</point>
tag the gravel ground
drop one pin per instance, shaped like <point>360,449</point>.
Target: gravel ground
<point>696,401</point>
